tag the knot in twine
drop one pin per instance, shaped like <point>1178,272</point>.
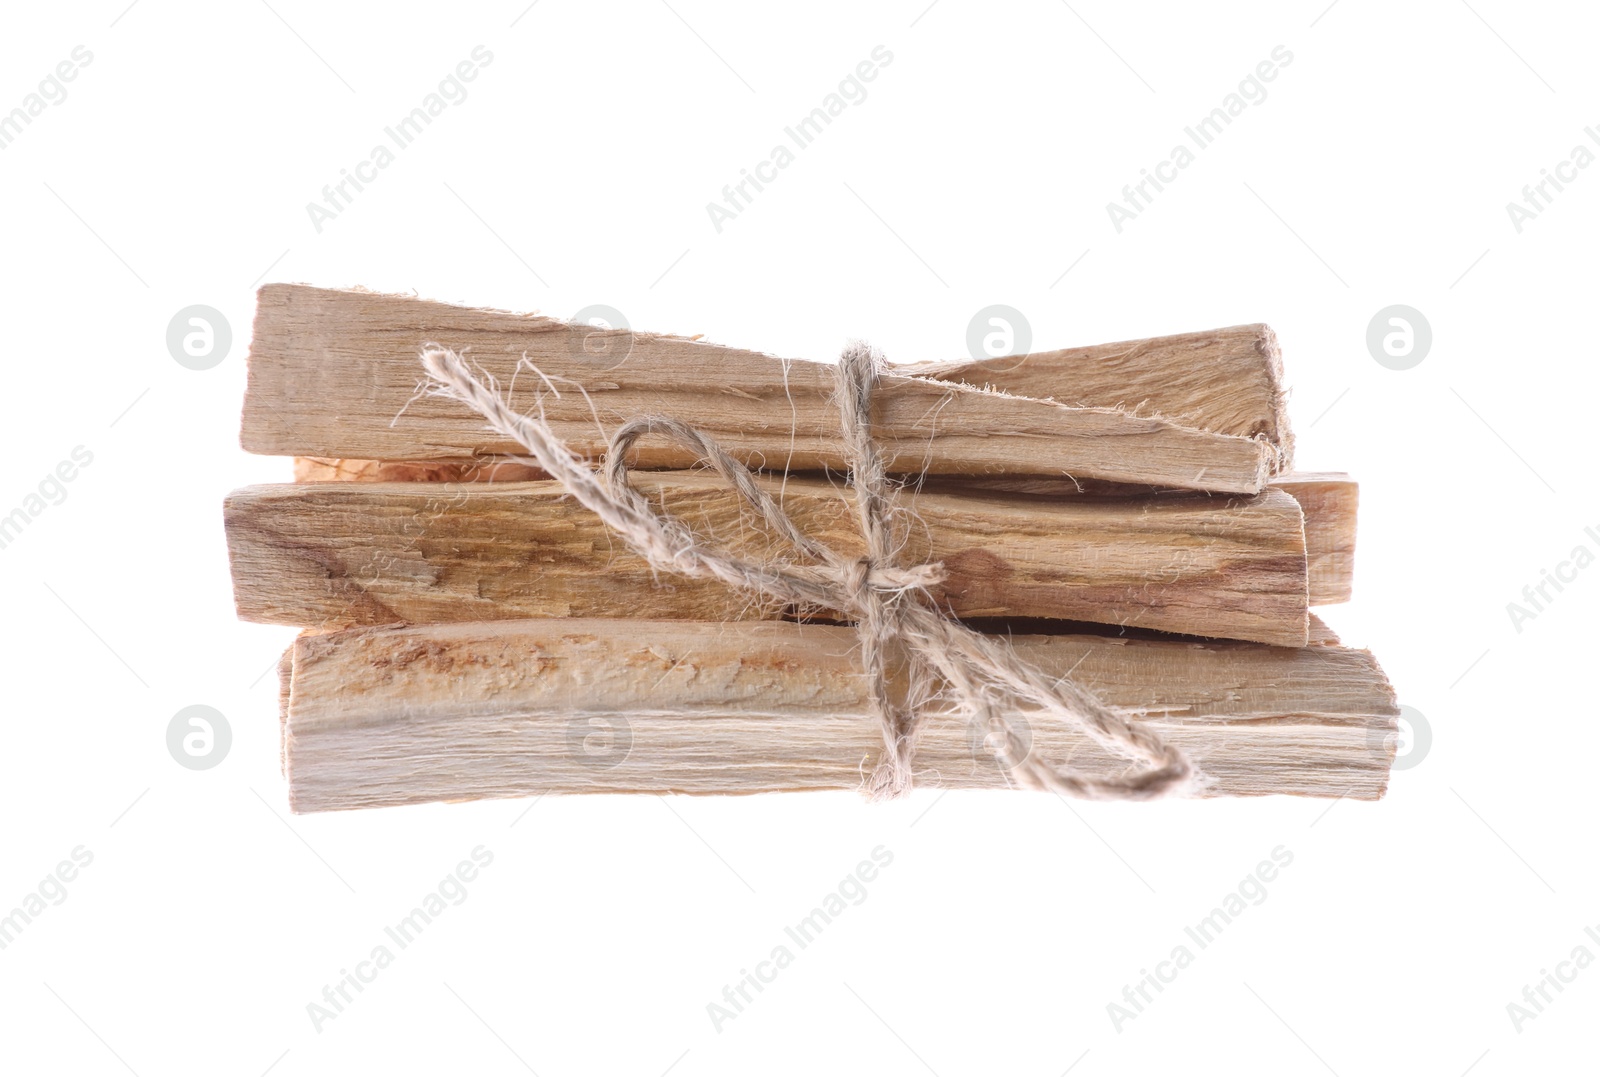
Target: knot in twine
<point>889,603</point>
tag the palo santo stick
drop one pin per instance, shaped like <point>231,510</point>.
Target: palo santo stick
<point>1228,381</point>
<point>1328,499</point>
<point>408,715</point>
<point>330,370</point>
<point>376,553</point>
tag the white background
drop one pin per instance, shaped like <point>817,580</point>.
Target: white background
<point>977,171</point>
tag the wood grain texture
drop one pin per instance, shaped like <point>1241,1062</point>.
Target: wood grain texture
<point>330,371</point>
<point>1229,381</point>
<point>1329,500</point>
<point>392,716</point>
<point>358,553</point>
<point>327,469</point>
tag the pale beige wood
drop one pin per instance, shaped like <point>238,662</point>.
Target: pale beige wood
<point>1329,501</point>
<point>392,716</point>
<point>285,682</point>
<point>1226,381</point>
<point>376,553</point>
<point>1229,381</point>
<point>329,372</point>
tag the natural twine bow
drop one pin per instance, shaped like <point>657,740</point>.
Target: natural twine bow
<point>889,604</point>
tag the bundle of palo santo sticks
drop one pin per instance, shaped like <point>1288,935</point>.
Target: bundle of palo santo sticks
<point>1126,515</point>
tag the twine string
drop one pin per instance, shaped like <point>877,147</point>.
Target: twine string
<point>896,619</point>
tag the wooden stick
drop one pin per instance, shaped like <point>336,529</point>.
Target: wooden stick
<point>408,715</point>
<point>330,371</point>
<point>375,553</point>
<point>1328,499</point>
<point>1228,381</point>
